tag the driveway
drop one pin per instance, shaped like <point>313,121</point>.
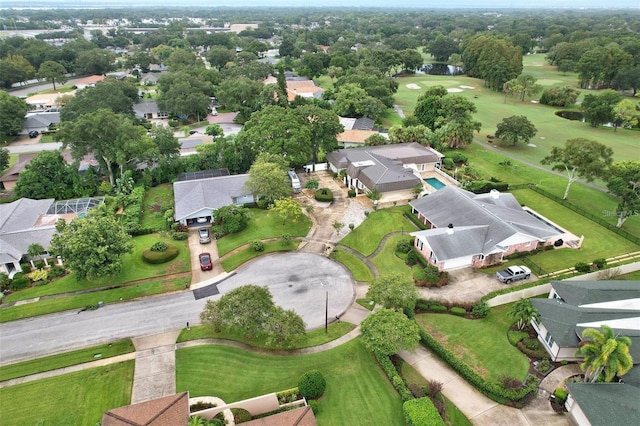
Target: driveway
<point>195,248</point>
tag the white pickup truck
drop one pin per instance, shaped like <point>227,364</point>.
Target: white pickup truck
<point>513,273</point>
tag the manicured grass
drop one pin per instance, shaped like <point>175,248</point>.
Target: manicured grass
<point>157,200</point>
<point>133,268</point>
<point>263,224</point>
<point>311,338</point>
<point>54,362</point>
<point>366,237</point>
<point>72,399</point>
<point>80,301</point>
<point>50,137</point>
<point>630,276</point>
<point>357,392</point>
<point>599,242</point>
<point>387,262</point>
<point>366,303</point>
<point>357,267</point>
<point>243,256</point>
<point>481,343</point>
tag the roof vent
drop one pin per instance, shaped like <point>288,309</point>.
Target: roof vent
<point>450,229</point>
<point>495,194</point>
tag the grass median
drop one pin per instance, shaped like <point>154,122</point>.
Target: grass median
<point>357,267</point>
<point>235,260</point>
<point>367,237</point>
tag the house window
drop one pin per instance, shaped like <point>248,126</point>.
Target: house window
<point>528,244</point>
<point>548,339</point>
<point>432,258</point>
<point>420,244</point>
<point>481,257</point>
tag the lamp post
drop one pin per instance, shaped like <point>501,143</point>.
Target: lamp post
<point>326,313</point>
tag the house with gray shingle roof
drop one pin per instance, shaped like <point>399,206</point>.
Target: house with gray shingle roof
<point>603,404</point>
<point>39,121</point>
<point>196,199</point>
<point>393,170</point>
<point>468,229</point>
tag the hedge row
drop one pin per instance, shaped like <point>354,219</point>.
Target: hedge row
<point>130,218</point>
<point>414,219</point>
<point>421,412</point>
<point>395,379</point>
<point>490,389</point>
<point>157,257</point>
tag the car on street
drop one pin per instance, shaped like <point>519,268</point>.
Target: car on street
<point>205,261</point>
<point>205,235</point>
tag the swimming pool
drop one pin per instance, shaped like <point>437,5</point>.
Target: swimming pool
<point>435,183</point>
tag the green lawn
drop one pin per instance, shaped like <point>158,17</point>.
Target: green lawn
<point>133,268</point>
<point>357,267</point>
<point>312,338</point>
<point>71,399</point>
<point>366,237</point>
<point>243,256</point>
<point>80,301</point>
<point>263,224</point>
<point>481,343</point>
<point>66,359</point>
<point>387,262</point>
<point>357,393</point>
<point>157,200</point>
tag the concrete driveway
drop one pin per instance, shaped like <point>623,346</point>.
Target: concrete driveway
<point>195,248</point>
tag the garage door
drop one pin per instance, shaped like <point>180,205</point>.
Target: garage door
<point>459,262</point>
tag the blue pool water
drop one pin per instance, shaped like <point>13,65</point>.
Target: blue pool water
<point>435,183</point>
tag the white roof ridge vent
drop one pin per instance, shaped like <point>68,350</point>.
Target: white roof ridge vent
<point>450,229</point>
<point>495,194</point>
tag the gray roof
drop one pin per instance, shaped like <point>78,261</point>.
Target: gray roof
<point>19,227</point>
<point>607,404</point>
<point>41,120</point>
<point>186,143</point>
<point>363,123</point>
<point>499,212</point>
<point>382,167</point>
<point>192,196</point>
<point>458,242</point>
<point>146,106</point>
<point>579,293</point>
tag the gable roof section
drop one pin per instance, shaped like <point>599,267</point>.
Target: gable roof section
<point>40,120</point>
<point>168,410</point>
<point>18,227</point>
<point>13,173</point>
<point>584,293</point>
<point>302,416</point>
<point>607,403</point>
<point>354,136</point>
<point>363,123</point>
<point>192,196</point>
<point>458,242</point>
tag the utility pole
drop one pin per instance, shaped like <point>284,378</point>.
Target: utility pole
<point>326,314</point>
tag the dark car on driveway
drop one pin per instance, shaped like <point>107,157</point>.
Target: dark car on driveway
<point>205,261</point>
<point>33,134</point>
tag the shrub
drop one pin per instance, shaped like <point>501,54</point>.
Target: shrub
<point>544,366</point>
<point>240,415</point>
<point>583,267</point>
<point>56,271</point>
<point>315,406</point>
<point>438,308</point>
<point>39,264</point>
<point>560,395</point>
<point>324,194</point>
<point>412,257</point>
<point>285,239</point>
<point>431,274</point>
<point>600,263</point>
<point>159,246</point>
<point>480,310</point>
<point>435,387</point>
<point>26,267</point>
<point>19,281</point>
<point>257,245</point>
<point>179,236</point>
<point>484,186</point>
<point>458,311</point>
<point>199,406</point>
<point>448,163</point>
<point>404,246</point>
<point>536,353</point>
<point>157,257</point>
<point>509,382</point>
<point>312,384</point>
<point>515,336</point>
<point>231,218</point>
<point>416,390</point>
<point>38,275</point>
<point>421,412</point>
<point>458,157</point>
<point>392,374</point>
<point>351,193</point>
<point>311,184</point>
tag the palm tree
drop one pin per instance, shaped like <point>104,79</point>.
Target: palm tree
<point>603,351</point>
<point>523,311</point>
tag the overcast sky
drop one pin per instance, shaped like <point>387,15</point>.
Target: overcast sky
<point>519,4</point>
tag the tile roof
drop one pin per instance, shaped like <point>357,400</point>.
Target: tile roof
<point>302,416</point>
<point>354,136</point>
<point>170,410</point>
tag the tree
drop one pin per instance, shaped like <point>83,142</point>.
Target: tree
<point>46,176</point>
<point>268,178</point>
<point>184,95</point>
<point>442,47</point>
<point>623,181</point>
<point>117,96</point>
<point>93,246</point>
<point>604,352</point>
<point>559,96</point>
<point>287,209</point>
<point>523,312</point>
<point>598,109</point>
<point>337,226</point>
<point>323,126</point>
<point>214,130</point>
<point>389,332</point>
<point>515,129</point>
<point>420,134</point>
<point>4,158</point>
<point>95,61</point>
<point>53,72</point>
<point>12,112</point>
<point>167,144</point>
<point>353,101</point>
<point>625,114</point>
<point>376,139</point>
<point>250,308</point>
<point>580,158</point>
<point>231,218</point>
<point>394,292</point>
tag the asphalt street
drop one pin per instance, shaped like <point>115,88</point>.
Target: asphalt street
<point>298,281</point>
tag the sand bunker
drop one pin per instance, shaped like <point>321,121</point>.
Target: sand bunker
<point>454,90</point>
<point>413,86</point>
<point>467,87</point>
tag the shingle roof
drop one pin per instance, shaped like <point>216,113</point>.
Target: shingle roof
<point>580,293</point>
<point>607,404</point>
<point>41,120</point>
<point>209,193</point>
<point>354,136</point>
<point>302,416</point>
<point>146,106</point>
<point>169,410</point>
<point>18,227</point>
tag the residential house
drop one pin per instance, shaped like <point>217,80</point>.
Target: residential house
<point>468,229</point>
<point>188,145</point>
<point>573,306</point>
<point>195,199</point>
<point>39,122</point>
<point>393,170</point>
<point>168,410</point>
<point>89,81</point>
<point>298,86</point>
<point>356,131</point>
<point>44,101</point>
<point>148,109</point>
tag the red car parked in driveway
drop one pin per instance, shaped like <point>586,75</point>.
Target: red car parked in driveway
<point>205,261</point>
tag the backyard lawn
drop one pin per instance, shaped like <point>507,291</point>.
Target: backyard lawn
<point>72,399</point>
<point>366,237</point>
<point>357,393</point>
<point>263,224</point>
<point>156,201</point>
<point>481,343</point>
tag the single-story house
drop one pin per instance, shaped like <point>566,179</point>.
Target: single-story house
<point>188,145</point>
<point>168,410</point>
<point>39,121</point>
<point>89,81</point>
<point>573,306</point>
<point>468,229</point>
<point>393,170</point>
<point>44,101</point>
<point>298,86</point>
<point>354,138</point>
<point>148,108</point>
<point>196,199</point>
<point>604,404</point>
<point>362,123</point>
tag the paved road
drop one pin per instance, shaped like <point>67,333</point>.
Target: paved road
<point>36,147</point>
<point>298,281</point>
